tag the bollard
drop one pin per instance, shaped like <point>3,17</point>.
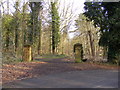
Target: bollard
<point>27,55</point>
<point>78,52</point>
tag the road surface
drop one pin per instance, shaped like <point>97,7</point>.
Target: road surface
<point>72,79</point>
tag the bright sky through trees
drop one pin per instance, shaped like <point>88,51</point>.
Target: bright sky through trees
<point>75,5</point>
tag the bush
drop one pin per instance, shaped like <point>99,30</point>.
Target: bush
<point>9,58</point>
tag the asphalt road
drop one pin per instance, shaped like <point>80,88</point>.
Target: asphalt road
<point>73,79</point>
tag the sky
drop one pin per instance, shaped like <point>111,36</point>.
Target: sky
<point>76,7</point>
<point>77,4</point>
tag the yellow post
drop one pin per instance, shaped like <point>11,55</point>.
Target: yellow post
<point>27,53</point>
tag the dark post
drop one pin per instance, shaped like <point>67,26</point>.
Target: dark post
<point>78,52</point>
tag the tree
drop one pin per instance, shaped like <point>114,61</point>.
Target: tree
<point>67,16</point>
<point>88,35</point>
<point>16,23</point>
<point>40,35</point>
<point>55,27</point>
<point>25,19</point>
<point>34,26</point>
<point>35,22</point>
<point>21,26</point>
<point>106,16</point>
<point>6,23</point>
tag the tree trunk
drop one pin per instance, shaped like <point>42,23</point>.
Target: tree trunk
<point>39,43</point>
<point>53,44</point>
<point>50,43</point>
<point>7,40</point>
<point>91,44</point>
<point>16,39</point>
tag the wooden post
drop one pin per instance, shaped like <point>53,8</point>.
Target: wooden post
<point>27,53</point>
<point>78,52</point>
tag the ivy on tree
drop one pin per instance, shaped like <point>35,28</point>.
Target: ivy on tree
<point>55,27</point>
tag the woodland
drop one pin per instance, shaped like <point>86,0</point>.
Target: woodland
<point>46,27</point>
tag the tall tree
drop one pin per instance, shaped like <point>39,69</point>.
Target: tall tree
<point>55,27</point>
<point>106,16</point>
<point>7,21</point>
<point>67,15</point>
<point>34,36</point>
<point>25,19</point>
<point>89,35</point>
<point>17,23</point>
<point>34,23</point>
<point>40,33</point>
